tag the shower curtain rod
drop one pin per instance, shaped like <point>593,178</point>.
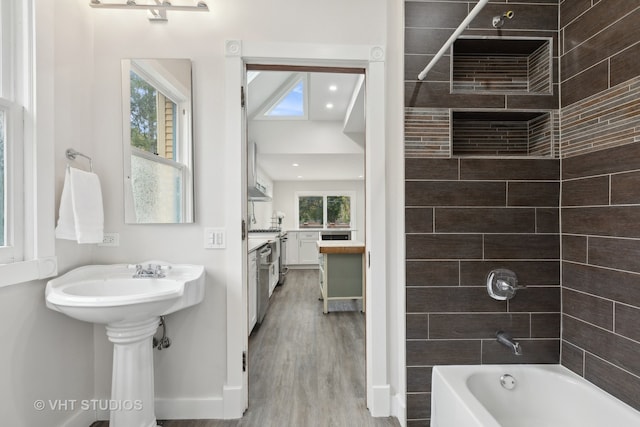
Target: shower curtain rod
<point>478,7</point>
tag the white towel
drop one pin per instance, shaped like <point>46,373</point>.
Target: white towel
<point>81,215</point>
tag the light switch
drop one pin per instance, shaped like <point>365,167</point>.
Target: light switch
<point>214,238</point>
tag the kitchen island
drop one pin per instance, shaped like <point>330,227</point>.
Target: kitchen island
<point>342,271</point>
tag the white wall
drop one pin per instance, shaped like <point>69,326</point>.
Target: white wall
<point>194,366</point>
<point>46,355</point>
<point>284,199</point>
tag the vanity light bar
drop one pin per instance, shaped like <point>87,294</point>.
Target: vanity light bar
<point>163,6</point>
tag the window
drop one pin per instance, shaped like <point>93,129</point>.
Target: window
<point>27,249</point>
<point>11,205</point>
<point>325,211</point>
<point>290,100</point>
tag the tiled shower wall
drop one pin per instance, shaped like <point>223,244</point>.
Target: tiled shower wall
<point>465,216</point>
<point>601,193</point>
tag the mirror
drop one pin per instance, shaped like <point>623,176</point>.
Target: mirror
<point>157,141</point>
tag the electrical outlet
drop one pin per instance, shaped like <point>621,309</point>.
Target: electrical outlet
<point>110,239</point>
<point>215,238</point>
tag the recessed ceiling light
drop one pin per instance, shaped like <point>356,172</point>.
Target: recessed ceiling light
<point>295,165</point>
<point>299,176</point>
<point>360,176</point>
<point>329,106</point>
<point>333,88</point>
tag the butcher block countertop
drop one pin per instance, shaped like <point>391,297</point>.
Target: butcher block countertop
<point>340,247</point>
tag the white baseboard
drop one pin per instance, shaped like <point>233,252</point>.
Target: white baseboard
<point>399,409</point>
<point>233,403</point>
<point>381,406</point>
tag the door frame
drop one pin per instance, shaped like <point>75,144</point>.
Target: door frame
<point>238,53</point>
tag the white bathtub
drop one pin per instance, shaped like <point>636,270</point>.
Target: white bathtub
<point>543,396</point>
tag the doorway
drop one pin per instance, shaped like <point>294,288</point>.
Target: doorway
<point>306,182</point>
<point>371,59</point>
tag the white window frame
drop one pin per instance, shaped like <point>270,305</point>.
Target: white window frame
<point>324,195</point>
<point>30,164</point>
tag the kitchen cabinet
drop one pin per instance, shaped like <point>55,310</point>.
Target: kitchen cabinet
<point>308,247</point>
<point>253,289</point>
<point>342,271</point>
<point>302,247</point>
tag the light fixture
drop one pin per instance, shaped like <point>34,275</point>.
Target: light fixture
<point>299,176</point>
<point>157,8</point>
<point>333,88</point>
<point>295,165</point>
<point>329,106</point>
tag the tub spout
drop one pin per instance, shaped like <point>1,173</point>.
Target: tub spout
<point>506,340</point>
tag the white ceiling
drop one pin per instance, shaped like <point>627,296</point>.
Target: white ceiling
<point>328,145</point>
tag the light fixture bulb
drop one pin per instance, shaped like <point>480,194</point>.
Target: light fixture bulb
<point>329,106</point>
<point>333,88</point>
<point>295,165</point>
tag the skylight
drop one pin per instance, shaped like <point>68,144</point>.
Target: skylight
<point>291,104</point>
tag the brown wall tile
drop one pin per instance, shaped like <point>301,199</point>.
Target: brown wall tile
<point>594,20</point>
<point>419,405</point>
<point>535,102</point>
<point>572,358</point>
<point>530,273</point>
<point>417,326</point>
<point>570,10</point>
<point>444,246</point>
<point>510,169</point>
<point>547,220</point>
<point>545,325</point>
<point>613,348</point>
<point>583,85</point>
<point>519,246</point>
<point>424,40</point>
<point>466,326</point>
<point>455,193</point>
<point>415,63</point>
<point>419,378</point>
<point>613,380</point>
<point>610,284</point>
<point>536,299</point>
<point>584,192</point>
<point>454,352</point>
<point>418,220</point>
<point>617,159</point>
<point>442,169</point>
<point>625,65</point>
<point>533,194</point>
<point>625,33</point>
<point>432,273</point>
<point>574,248</point>
<point>438,15</point>
<point>620,221</point>
<point>533,351</point>
<point>484,220</point>
<point>452,300</point>
<point>623,254</point>
<point>628,321</point>
<point>591,309</point>
<point>534,16</point>
<point>625,188</point>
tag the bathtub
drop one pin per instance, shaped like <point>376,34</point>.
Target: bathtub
<point>540,396</point>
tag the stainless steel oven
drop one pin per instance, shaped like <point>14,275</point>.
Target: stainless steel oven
<point>283,258</point>
<point>265,264</point>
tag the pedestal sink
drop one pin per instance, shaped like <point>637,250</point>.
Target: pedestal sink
<point>130,307</point>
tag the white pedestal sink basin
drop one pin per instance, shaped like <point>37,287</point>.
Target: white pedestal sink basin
<point>131,309</point>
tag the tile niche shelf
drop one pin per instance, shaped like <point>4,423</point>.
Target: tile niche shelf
<point>502,133</point>
<point>502,65</point>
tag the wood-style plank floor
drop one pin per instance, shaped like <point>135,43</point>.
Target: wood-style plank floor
<point>306,369</point>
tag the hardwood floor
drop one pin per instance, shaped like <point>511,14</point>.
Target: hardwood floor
<point>306,368</point>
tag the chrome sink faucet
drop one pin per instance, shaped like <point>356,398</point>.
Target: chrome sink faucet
<point>152,270</point>
<point>506,340</point>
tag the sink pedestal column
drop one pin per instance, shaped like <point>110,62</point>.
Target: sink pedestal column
<point>132,393</point>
